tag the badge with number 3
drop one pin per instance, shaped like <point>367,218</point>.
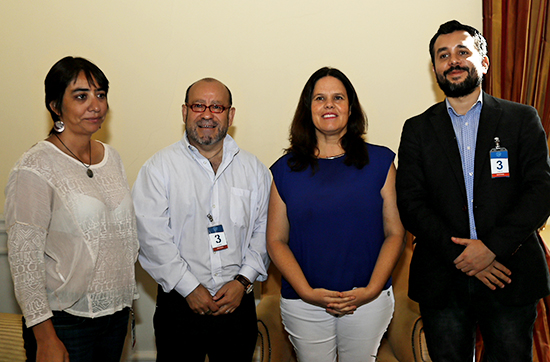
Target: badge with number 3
<point>499,161</point>
<point>217,238</point>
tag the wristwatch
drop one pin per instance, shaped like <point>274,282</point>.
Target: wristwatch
<point>248,286</point>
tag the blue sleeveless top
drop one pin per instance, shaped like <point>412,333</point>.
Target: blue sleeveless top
<point>335,216</point>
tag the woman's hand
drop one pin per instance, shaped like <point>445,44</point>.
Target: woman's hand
<point>49,346</point>
<point>359,297</point>
<point>324,298</point>
<point>278,228</point>
<point>54,351</point>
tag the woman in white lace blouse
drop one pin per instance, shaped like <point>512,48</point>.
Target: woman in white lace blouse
<point>71,227</point>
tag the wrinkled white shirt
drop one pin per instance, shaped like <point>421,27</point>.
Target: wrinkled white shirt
<point>175,191</point>
<point>72,241</point>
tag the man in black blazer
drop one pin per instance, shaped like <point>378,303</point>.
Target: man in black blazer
<point>473,187</point>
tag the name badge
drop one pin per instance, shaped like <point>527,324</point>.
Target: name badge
<point>499,161</point>
<point>217,238</point>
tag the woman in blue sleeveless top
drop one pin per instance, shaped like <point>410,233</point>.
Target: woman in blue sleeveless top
<point>333,228</point>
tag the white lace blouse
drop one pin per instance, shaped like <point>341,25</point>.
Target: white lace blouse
<point>72,241</point>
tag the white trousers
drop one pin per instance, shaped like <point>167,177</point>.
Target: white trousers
<point>318,336</point>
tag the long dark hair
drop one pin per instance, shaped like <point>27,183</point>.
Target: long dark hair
<point>62,74</point>
<point>303,140</point>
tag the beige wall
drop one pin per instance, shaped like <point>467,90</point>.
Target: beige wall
<point>263,50</point>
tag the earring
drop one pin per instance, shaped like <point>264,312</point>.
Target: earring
<point>59,126</point>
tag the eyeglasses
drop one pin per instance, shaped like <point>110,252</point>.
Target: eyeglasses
<point>214,108</point>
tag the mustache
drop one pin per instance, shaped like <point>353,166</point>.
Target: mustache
<point>456,67</point>
<point>206,121</point>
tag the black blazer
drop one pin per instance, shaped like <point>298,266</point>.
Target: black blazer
<point>431,197</point>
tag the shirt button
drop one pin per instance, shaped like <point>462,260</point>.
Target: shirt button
<point>466,123</point>
<point>468,148</point>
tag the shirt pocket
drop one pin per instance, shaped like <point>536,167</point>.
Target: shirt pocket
<point>240,206</point>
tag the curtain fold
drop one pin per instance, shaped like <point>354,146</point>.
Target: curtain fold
<point>518,33</point>
<point>518,36</point>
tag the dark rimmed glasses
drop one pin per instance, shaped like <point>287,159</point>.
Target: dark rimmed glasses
<point>214,108</point>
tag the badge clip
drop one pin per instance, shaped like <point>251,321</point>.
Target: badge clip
<point>499,160</point>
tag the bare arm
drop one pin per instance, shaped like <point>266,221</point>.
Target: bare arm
<point>277,245</point>
<point>49,346</point>
<point>390,252</point>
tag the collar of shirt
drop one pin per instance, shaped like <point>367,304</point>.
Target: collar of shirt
<point>452,111</point>
<point>230,150</point>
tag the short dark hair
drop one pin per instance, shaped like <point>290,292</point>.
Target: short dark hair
<point>63,73</point>
<point>208,80</point>
<point>303,140</point>
<point>449,27</point>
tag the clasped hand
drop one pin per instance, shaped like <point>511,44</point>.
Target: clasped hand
<point>226,300</point>
<point>340,303</point>
<point>479,261</point>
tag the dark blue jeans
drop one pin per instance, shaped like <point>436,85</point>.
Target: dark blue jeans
<point>507,330</point>
<point>86,339</point>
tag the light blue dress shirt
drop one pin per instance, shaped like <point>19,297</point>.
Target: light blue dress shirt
<point>465,127</point>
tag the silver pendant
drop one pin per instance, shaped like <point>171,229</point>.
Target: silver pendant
<point>90,173</point>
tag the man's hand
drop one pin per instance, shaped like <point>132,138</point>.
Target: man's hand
<point>229,297</point>
<point>495,275</point>
<point>474,258</point>
<point>200,301</point>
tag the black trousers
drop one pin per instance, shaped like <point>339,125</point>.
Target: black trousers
<point>86,339</point>
<point>182,335</point>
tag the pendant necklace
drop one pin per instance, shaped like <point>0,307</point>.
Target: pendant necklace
<point>331,157</point>
<point>89,172</point>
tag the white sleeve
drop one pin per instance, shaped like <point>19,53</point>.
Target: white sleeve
<point>28,213</point>
<point>256,259</point>
<point>159,255</point>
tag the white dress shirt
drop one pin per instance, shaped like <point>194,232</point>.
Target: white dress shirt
<point>175,191</point>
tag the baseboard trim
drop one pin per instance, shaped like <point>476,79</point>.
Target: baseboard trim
<point>142,356</point>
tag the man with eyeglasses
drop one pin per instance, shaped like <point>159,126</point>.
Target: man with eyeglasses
<point>201,207</point>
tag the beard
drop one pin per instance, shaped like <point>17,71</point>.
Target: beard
<point>193,134</point>
<point>455,90</point>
